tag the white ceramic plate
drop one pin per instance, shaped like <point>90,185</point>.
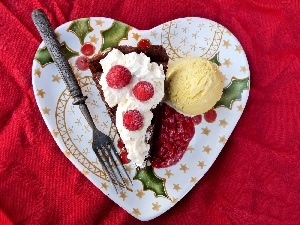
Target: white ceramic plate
<point>182,38</point>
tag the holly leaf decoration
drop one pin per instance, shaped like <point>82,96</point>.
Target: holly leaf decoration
<point>233,92</point>
<point>215,59</point>
<point>151,181</point>
<point>80,28</point>
<point>44,58</point>
<point>112,36</point>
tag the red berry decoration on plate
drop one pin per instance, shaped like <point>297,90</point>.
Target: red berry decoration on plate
<point>81,63</point>
<point>143,91</point>
<point>210,116</point>
<point>197,119</point>
<point>87,49</point>
<point>144,44</point>
<point>118,77</point>
<point>132,120</point>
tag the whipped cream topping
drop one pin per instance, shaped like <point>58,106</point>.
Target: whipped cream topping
<point>142,70</point>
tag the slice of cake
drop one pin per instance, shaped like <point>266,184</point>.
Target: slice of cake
<point>131,84</point>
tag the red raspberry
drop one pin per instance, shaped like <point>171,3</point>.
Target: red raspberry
<point>144,44</point>
<point>133,120</point>
<point>143,91</point>
<point>118,76</point>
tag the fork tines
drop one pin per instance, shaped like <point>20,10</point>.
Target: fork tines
<point>112,165</point>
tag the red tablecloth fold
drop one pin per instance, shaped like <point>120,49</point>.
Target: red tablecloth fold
<point>255,180</point>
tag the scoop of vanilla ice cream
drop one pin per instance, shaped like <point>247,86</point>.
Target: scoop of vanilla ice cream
<point>193,85</point>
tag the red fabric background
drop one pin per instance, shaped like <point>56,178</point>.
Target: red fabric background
<point>256,178</point>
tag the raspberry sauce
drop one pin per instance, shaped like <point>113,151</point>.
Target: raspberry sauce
<point>172,136</point>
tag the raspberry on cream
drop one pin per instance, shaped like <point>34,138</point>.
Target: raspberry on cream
<point>144,91</point>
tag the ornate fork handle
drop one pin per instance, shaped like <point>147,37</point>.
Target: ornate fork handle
<point>44,27</point>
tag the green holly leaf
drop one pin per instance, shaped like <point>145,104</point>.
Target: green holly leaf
<point>44,58</point>
<point>151,181</point>
<point>233,92</point>
<point>215,59</point>
<point>112,36</point>
<point>80,28</point>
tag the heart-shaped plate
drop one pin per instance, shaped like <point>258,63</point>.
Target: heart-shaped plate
<point>154,191</point>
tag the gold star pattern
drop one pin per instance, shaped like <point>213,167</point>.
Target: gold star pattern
<point>78,122</point>
<point>168,173</point>
<point>184,29</point>
<point>174,200</point>
<point>183,40</point>
<point>153,34</point>
<point>193,47</point>
<point>96,119</point>
<point>183,167</point>
<point>84,172</point>
<point>40,93</point>
<point>46,111</point>
<point>136,36</point>
<point>156,206</point>
<point>206,149</point>
<point>140,194</point>
<point>222,139</point>
<point>104,185</point>
<point>67,153</point>
<point>195,35</point>
<point>99,22</point>
<point>94,39</point>
<point>37,72</point>
<point>79,138</point>
<point>223,123</point>
<point>104,124</point>
<point>128,168</point>
<point>176,187</point>
<point>71,130</point>
<point>123,195</point>
<point>125,179</point>
<point>54,133</point>
<point>227,62</point>
<point>201,164</point>
<point>193,180</point>
<point>201,25</point>
<point>238,48</point>
<point>243,69</point>
<point>205,131</point>
<point>240,108</point>
<point>186,53</point>
<point>56,78</point>
<point>136,212</point>
<point>190,20</point>
<point>190,148</point>
<point>71,111</point>
<point>86,151</point>
<point>212,26</point>
<point>226,44</point>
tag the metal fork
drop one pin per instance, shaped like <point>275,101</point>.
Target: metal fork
<point>102,144</point>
